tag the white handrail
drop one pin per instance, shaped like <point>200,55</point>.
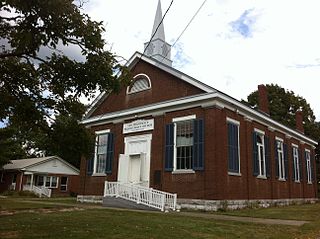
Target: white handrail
<point>38,190</point>
<point>141,195</point>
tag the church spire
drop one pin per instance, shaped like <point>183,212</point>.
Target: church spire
<point>158,47</point>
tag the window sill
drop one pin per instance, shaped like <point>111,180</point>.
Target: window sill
<point>183,171</point>
<point>297,181</point>
<point>262,177</point>
<point>310,183</point>
<point>99,175</point>
<point>234,174</point>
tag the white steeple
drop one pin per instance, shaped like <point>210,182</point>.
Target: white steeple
<point>158,47</point>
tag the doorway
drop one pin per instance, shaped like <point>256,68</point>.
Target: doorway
<point>134,164</point>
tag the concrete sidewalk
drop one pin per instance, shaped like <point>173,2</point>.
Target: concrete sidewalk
<point>244,219</point>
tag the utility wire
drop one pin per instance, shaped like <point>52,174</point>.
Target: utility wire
<point>155,31</point>
<point>196,13</point>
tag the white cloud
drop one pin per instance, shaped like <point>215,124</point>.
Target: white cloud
<point>282,33</point>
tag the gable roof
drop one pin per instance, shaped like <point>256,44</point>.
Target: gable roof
<point>133,61</point>
<point>24,164</point>
<point>209,98</point>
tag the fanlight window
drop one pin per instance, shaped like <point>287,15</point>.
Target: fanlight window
<point>141,83</point>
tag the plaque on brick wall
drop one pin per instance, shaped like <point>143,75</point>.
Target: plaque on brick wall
<point>138,126</point>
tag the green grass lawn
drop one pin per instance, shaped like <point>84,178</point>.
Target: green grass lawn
<point>107,223</point>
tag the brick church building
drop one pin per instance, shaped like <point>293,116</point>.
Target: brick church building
<point>173,133</point>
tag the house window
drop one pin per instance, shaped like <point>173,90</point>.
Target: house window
<point>261,157</point>
<point>40,181</point>
<point>184,144</point>
<point>184,149</point>
<point>64,183</point>
<point>101,153</point>
<point>233,146</point>
<point>296,163</point>
<point>51,181</point>
<point>102,160</point>
<point>280,162</point>
<point>261,154</point>
<point>141,82</point>
<point>308,165</point>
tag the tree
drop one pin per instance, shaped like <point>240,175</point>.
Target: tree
<point>36,76</point>
<point>39,81</point>
<point>68,140</point>
<point>10,146</point>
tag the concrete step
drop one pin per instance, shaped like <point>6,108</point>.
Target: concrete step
<point>122,203</point>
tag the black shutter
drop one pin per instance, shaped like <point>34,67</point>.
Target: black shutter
<point>255,154</point>
<point>300,165</point>
<point>110,153</point>
<point>306,165</point>
<point>233,148</point>
<point>169,134</point>
<point>198,144</point>
<point>267,155</point>
<point>286,165</point>
<point>90,166</point>
<point>90,160</point>
<point>312,161</point>
<point>293,166</point>
<point>276,158</point>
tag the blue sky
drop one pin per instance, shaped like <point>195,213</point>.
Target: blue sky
<point>231,45</point>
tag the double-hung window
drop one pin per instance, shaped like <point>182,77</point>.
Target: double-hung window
<point>233,146</point>
<point>280,161</point>
<point>102,162</point>
<point>260,154</point>
<point>296,163</point>
<point>184,138</point>
<point>184,144</point>
<point>101,152</point>
<point>308,166</point>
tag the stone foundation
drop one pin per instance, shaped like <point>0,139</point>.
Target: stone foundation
<point>215,205</point>
<point>89,199</point>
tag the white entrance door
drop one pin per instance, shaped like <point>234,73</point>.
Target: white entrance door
<point>135,169</point>
<point>134,164</point>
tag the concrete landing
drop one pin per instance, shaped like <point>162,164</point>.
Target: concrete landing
<point>122,203</point>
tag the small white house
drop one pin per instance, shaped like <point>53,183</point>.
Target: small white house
<point>45,176</point>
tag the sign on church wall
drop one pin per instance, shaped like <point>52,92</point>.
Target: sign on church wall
<point>138,126</point>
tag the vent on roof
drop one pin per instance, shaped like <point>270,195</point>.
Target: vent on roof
<point>141,82</point>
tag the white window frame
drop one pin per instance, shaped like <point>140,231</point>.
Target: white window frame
<point>97,134</point>
<point>141,75</point>
<point>235,122</point>
<point>281,163</point>
<point>66,185</point>
<point>261,158</point>
<point>175,120</point>
<point>296,163</point>
<point>49,179</point>
<point>308,165</point>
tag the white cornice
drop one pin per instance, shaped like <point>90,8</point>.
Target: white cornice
<point>216,98</point>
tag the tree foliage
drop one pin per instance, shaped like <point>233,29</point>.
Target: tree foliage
<point>67,139</point>
<point>10,146</point>
<point>39,80</point>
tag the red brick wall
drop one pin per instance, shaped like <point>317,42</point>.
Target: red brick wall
<point>214,182</point>
<point>171,88</point>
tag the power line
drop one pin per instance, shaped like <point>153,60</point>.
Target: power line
<point>156,30</point>
<point>196,13</point>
